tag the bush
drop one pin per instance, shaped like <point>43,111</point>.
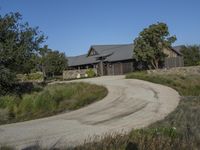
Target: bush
<point>8,102</point>
<point>38,76</point>
<point>90,72</point>
<point>51,100</point>
<point>6,80</point>
<point>26,105</point>
<point>44,102</point>
<point>35,76</point>
<point>4,115</point>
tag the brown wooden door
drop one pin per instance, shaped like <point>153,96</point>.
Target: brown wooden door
<point>117,68</point>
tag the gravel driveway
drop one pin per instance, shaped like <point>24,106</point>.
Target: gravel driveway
<point>129,104</point>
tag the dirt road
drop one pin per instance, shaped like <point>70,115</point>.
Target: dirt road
<point>129,104</point>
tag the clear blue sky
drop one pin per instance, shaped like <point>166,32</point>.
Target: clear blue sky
<point>73,25</point>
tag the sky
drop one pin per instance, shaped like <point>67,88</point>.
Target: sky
<point>72,26</point>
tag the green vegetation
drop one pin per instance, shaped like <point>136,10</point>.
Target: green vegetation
<point>186,85</point>
<point>191,55</point>
<point>149,45</point>
<point>21,53</point>
<point>143,139</point>
<point>30,77</point>
<point>90,72</point>
<point>50,100</point>
<point>51,62</point>
<point>18,46</point>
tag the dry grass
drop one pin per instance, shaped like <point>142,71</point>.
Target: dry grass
<point>187,85</point>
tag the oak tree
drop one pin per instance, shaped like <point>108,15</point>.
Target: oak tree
<point>149,45</point>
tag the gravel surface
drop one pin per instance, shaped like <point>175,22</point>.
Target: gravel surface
<point>129,104</point>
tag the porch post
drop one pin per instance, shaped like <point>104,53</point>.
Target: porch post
<point>121,68</point>
<point>101,67</point>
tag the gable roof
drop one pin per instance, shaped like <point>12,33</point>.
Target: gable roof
<point>81,60</point>
<point>177,49</point>
<point>110,52</point>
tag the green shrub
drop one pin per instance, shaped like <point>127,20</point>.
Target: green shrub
<point>8,101</point>
<point>30,77</point>
<point>6,80</point>
<point>35,76</point>
<point>90,72</point>
<point>26,105</point>
<point>4,115</point>
<point>22,77</point>
<point>44,102</point>
<point>51,100</point>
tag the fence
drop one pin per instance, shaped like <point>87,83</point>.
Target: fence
<point>173,62</point>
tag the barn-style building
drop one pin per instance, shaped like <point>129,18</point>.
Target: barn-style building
<point>117,59</point>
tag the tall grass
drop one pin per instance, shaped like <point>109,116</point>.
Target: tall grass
<point>143,139</point>
<point>51,100</point>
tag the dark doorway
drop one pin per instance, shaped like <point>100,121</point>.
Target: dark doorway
<point>105,69</point>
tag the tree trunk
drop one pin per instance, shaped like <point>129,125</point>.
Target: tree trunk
<point>154,64</point>
<point>43,72</point>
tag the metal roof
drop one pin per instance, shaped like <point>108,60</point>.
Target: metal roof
<point>113,53</point>
<point>81,60</point>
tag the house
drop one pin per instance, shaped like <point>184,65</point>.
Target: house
<point>116,59</point>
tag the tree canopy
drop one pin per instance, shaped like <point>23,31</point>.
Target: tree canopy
<point>19,43</point>
<point>191,55</point>
<point>21,52</point>
<point>52,62</point>
<point>149,45</point>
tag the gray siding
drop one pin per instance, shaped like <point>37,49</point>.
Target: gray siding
<point>171,62</point>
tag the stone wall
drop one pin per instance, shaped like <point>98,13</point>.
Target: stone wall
<point>193,70</point>
<point>75,74</point>
<point>31,77</point>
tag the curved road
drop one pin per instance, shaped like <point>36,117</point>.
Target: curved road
<point>129,104</point>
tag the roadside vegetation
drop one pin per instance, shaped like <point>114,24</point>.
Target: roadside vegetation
<point>179,130</point>
<point>191,55</point>
<point>49,100</point>
<point>186,85</point>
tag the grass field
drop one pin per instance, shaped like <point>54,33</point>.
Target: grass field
<point>50,100</point>
<point>186,85</point>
